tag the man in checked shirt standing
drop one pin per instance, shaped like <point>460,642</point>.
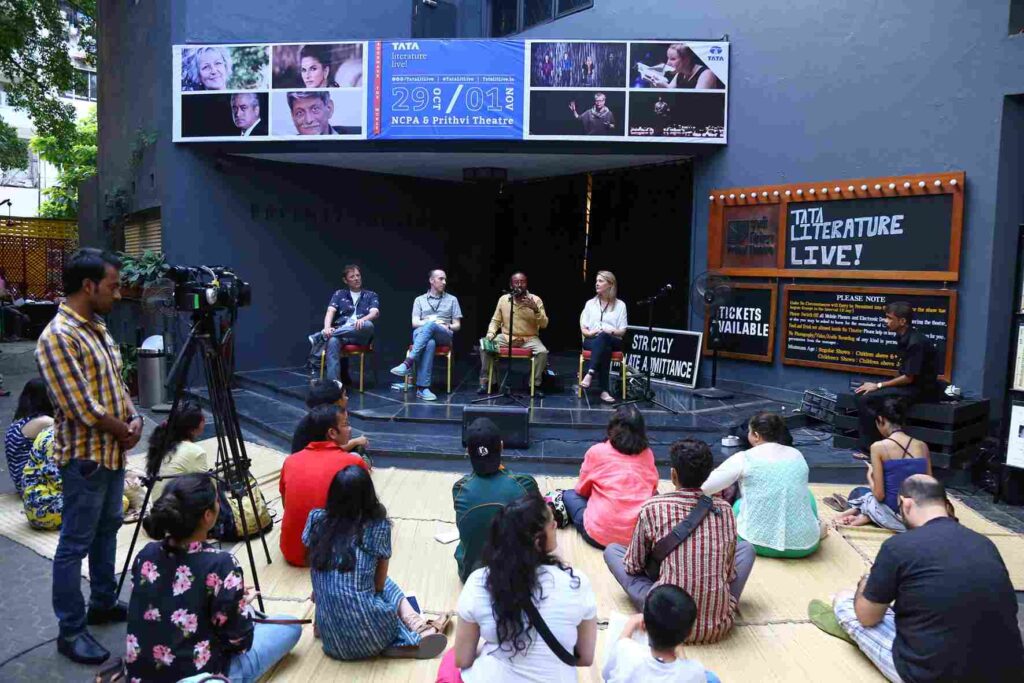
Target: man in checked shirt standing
<point>95,423</point>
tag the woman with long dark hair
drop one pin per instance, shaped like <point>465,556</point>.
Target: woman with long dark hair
<point>172,447</point>
<point>776,510</point>
<point>361,612</point>
<point>519,567</point>
<point>894,457</point>
<point>617,476</point>
<point>189,609</point>
<point>33,414</point>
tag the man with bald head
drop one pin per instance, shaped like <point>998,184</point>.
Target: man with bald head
<point>436,315</point>
<point>954,612</point>
<point>529,318</point>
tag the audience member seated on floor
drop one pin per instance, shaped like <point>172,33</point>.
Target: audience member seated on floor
<point>33,414</point>
<point>893,458</point>
<point>173,449</point>
<point>776,511</point>
<point>306,476</point>
<point>479,496</point>
<point>519,569</point>
<point>188,614</point>
<point>710,565</point>
<point>617,476</point>
<point>954,611</point>
<point>668,616</point>
<point>43,494</point>
<point>360,611</point>
<point>321,392</point>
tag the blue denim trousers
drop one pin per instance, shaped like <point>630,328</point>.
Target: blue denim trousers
<point>91,519</point>
<point>270,643</point>
<point>425,340</point>
<point>346,334</point>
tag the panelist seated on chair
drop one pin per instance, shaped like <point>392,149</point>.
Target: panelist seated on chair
<point>349,320</point>
<point>529,319</point>
<point>436,316</point>
<point>603,324</point>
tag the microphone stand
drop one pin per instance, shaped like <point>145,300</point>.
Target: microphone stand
<point>506,386</point>
<point>647,395</point>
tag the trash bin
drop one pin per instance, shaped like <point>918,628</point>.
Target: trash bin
<point>152,368</point>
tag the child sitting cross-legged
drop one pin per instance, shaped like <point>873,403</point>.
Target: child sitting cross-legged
<point>669,613</point>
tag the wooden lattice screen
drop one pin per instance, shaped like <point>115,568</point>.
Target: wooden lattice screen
<point>32,254</point>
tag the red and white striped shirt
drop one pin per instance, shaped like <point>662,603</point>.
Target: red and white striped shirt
<point>702,565</point>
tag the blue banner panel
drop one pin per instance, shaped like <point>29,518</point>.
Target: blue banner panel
<point>446,89</point>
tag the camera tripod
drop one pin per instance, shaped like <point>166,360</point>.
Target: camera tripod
<point>231,471</point>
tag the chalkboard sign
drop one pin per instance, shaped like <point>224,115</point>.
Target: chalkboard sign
<point>876,233</point>
<point>894,227</point>
<point>746,323</point>
<point>673,356</point>
<point>843,328</point>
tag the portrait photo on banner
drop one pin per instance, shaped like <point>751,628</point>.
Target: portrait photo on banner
<point>317,112</point>
<point>577,65</point>
<point>318,65</point>
<point>669,114</point>
<point>224,67</point>
<point>677,65</point>
<point>241,114</point>
<point>577,112</point>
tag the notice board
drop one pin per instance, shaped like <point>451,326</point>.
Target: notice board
<point>843,328</point>
<point>746,323</point>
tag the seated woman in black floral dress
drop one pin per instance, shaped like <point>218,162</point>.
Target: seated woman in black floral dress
<point>189,614</point>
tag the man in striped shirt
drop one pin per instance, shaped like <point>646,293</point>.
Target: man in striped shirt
<point>95,423</point>
<point>709,565</point>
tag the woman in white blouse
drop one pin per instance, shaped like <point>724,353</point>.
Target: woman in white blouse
<point>603,324</point>
<point>776,511</point>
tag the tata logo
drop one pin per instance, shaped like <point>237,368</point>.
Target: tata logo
<point>715,50</point>
<point>405,46</point>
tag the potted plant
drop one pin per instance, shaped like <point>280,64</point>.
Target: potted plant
<point>137,272</point>
<point>130,368</point>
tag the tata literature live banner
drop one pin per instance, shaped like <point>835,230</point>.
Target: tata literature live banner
<point>651,91</point>
<point>672,356</point>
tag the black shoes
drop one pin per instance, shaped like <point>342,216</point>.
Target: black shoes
<point>83,649</point>
<point>482,390</point>
<point>537,393</point>
<point>96,616</point>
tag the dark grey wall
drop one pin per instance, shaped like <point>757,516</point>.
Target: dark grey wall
<point>820,90</point>
<point>829,89</point>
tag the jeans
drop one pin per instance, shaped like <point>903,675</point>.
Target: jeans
<point>425,340</point>
<point>637,586</point>
<point>91,519</point>
<point>346,334</point>
<point>601,348</point>
<point>270,643</point>
<point>576,507</point>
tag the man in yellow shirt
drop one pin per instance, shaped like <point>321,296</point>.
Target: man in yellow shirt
<point>529,319</point>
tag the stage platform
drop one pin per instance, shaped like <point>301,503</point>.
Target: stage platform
<point>404,430</point>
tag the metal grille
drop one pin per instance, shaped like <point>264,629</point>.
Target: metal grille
<point>33,252</point>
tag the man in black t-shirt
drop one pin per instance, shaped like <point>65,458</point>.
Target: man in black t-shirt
<point>917,379</point>
<point>954,612</point>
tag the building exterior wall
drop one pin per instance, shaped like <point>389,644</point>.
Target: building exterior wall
<point>819,91</point>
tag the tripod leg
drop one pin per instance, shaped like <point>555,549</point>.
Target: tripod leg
<point>135,538</point>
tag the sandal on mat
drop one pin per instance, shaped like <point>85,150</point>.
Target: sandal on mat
<point>831,502</point>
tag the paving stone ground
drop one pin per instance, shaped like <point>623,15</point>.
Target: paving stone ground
<point>27,651</point>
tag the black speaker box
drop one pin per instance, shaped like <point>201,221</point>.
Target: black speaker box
<point>513,422</point>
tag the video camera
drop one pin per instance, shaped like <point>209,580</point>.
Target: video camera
<point>208,288</point>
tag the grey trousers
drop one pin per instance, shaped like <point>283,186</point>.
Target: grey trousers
<point>638,586</point>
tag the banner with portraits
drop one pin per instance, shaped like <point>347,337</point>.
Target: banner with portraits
<point>611,91</point>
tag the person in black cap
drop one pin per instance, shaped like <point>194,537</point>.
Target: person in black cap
<point>478,496</point>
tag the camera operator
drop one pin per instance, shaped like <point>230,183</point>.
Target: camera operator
<point>95,423</point>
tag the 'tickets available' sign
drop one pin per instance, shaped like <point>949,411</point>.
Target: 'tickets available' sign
<point>745,323</point>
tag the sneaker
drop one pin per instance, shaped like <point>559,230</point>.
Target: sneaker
<point>425,394</point>
<point>401,370</point>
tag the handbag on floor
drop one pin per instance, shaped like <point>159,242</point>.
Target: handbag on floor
<point>664,547</point>
<point>558,511</point>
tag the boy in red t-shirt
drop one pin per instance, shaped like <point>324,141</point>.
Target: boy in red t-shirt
<point>306,476</point>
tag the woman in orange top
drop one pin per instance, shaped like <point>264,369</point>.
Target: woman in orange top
<point>617,476</point>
